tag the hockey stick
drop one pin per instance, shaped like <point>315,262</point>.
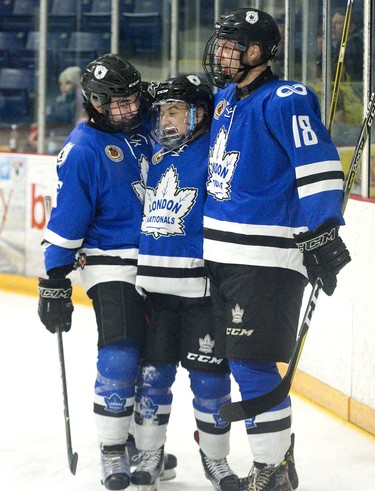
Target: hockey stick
<point>340,64</point>
<point>249,408</point>
<point>72,457</point>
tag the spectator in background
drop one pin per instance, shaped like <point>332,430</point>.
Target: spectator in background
<point>63,113</point>
<point>353,61</point>
<point>67,107</point>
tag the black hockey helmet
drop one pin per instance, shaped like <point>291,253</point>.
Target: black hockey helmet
<point>243,26</point>
<point>195,93</point>
<point>107,77</point>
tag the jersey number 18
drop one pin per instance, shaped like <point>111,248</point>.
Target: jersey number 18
<point>301,127</point>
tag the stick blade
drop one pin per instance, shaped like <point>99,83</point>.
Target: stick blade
<point>73,460</point>
<point>249,408</point>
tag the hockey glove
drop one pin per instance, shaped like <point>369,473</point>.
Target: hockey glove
<point>324,254</point>
<point>55,306</point>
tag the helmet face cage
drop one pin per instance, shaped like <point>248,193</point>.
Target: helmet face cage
<point>219,75</point>
<point>168,134</point>
<point>112,84</point>
<point>193,92</point>
<point>123,114</point>
<point>243,27</point>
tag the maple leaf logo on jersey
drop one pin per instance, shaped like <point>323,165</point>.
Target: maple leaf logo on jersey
<point>220,422</point>
<point>115,403</point>
<point>167,205</point>
<point>140,186</point>
<point>148,410</point>
<point>221,167</point>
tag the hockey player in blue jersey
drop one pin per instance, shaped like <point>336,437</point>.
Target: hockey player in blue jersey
<point>101,171</point>
<point>172,278</point>
<point>275,189</point>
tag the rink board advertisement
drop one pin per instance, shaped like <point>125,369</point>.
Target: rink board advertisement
<point>24,179</point>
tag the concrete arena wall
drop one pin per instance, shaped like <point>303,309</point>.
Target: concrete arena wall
<point>338,360</point>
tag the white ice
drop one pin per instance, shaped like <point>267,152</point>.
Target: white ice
<point>331,455</point>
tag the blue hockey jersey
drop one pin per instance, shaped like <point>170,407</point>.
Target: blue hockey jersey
<point>171,245</point>
<point>99,203</point>
<point>273,172</point>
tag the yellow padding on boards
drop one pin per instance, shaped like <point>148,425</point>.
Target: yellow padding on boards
<point>29,286</point>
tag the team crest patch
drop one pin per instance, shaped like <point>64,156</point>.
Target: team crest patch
<point>251,17</point>
<point>100,72</point>
<point>219,109</point>
<point>114,153</point>
<point>158,157</point>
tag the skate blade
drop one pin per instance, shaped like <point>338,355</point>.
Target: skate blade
<point>150,487</point>
<point>168,475</point>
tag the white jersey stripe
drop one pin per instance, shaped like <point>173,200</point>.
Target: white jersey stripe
<point>246,229</point>
<point>252,255</point>
<point>319,187</point>
<point>57,240</point>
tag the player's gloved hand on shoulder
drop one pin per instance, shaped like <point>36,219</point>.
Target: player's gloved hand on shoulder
<point>55,306</point>
<point>324,254</point>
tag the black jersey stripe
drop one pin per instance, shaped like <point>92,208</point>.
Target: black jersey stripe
<point>269,426</point>
<point>160,419</point>
<point>323,176</point>
<point>158,271</point>
<point>211,428</point>
<point>102,411</point>
<point>251,240</point>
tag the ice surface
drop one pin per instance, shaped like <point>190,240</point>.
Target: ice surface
<point>331,455</point>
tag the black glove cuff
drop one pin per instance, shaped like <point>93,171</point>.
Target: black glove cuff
<point>55,288</point>
<point>311,240</point>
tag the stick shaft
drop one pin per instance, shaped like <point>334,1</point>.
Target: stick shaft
<point>72,457</point>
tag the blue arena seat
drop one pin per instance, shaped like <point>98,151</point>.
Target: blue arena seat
<point>99,17</point>
<point>143,31</point>
<point>17,79</point>
<point>147,6</point>
<point>17,89</point>
<point>63,15</point>
<point>142,28</point>
<point>10,42</point>
<point>24,16</point>
<point>28,56</point>
<point>83,47</point>
<point>6,7</point>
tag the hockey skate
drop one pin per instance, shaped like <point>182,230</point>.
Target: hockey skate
<point>115,467</point>
<point>170,460</point>
<point>267,478</point>
<point>220,474</point>
<point>150,466</point>
<point>291,463</point>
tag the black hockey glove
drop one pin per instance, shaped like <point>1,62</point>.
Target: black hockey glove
<point>55,306</point>
<point>324,254</point>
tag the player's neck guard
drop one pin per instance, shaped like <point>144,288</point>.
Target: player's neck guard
<point>261,79</point>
